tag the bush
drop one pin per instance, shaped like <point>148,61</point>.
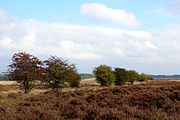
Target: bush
<point>143,77</point>
<point>73,78</point>
<point>133,76</point>
<point>121,76</point>
<point>104,75</point>
<point>57,71</point>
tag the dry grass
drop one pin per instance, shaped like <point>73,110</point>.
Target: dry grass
<point>12,86</point>
<point>91,81</point>
<point>8,82</point>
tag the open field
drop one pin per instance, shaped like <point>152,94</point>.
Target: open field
<point>92,81</point>
<point>8,82</point>
<point>153,100</point>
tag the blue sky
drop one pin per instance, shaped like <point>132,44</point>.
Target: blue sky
<point>152,13</point>
<point>138,34</point>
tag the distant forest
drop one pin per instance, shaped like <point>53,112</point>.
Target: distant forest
<point>4,76</point>
<point>165,76</point>
<point>86,75</point>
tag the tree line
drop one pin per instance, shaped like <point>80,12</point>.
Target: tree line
<point>106,76</point>
<point>56,72</point>
<point>86,75</point>
<point>4,76</point>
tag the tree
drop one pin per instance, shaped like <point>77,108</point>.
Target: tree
<point>73,78</point>
<point>104,75</point>
<point>121,76</point>
<point>143,77</point>
<point>133,76</point>
<point>25,69</point>
<point>57,70</point>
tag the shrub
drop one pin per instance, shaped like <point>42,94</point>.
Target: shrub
<point>143,77</point>
<point>133,76</point>
<point>25,69</point>
<point>57,70</point>
<point>121,76</point>
<point>73,78</point>
<point>104,75</point>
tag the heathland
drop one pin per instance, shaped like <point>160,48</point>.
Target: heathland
<point>150,100</point>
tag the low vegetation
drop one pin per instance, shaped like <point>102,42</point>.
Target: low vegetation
<point>136,102</point>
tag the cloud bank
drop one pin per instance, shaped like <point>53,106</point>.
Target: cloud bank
<point>102,12</point>
<point>87,46</point>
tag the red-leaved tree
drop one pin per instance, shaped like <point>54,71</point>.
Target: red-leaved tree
<point>25,69</point>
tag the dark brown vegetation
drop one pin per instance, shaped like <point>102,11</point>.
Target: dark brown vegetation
<point>158,101</point>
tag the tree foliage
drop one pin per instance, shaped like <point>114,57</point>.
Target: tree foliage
<point>144,77</point>
<point>25,69</point>
<point>73,78</point>
<point>57,71</point>
<point>121,76</point>
<point>133,76</point>
<point>104,75</point>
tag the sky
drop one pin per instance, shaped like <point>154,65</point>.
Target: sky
<point>133,34</point>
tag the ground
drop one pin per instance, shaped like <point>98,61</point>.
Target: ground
<point>152,100</point>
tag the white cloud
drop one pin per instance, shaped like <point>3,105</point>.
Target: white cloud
<point>5,41</point>
<point>102,12</point>
<point>89,46</point>
<point>78,51</point>
<point>72,41</point>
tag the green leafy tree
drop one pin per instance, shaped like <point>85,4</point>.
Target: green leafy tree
<point>144,77</point>
<point>57,70</point>
<point>73,78</point>
<point>25,69</point>
<point>104,75</point>
<point>133,76</point>
<point>121,76</point>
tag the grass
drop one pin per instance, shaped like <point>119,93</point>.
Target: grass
<point>12,86</point>
<point>8,83</point>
